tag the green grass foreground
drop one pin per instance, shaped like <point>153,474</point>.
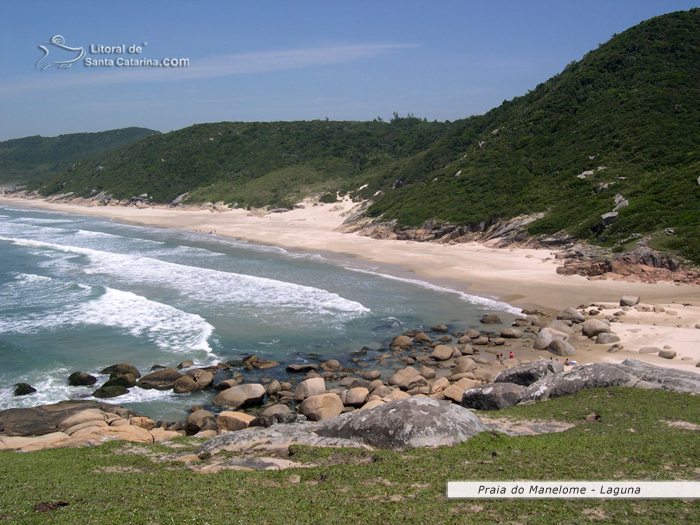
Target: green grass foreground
<point>631,440</point>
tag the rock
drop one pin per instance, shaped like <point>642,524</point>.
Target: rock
<point>323,406</point>
<point>185,364</point>
<point>427,372</point>
<point>593,327</point>
<point>546,336</point>
<point>401,343</point>
<point>310,387</point>
<point>275,409</point>
<point>493,397</point>
<point>203,378</point>
<point>607,218</point>
<point>81,379</point>
<point>127,380</point>
<point>412,422</point>
<point>511,333</point>
<point>106,392</point>
<point>445,339</point>
<point>561,326</point>
<point>596,375</point>
<point>529,373</point>
<point>160,380</point>
<point>232,421</point>
<point>422,338</point>
<point>463,365</point>
<point>440,328</point>
<point>490,319</point>
<point>671,312</point>
<point>629,300</point>
<point>372,375</point>
<point>667,354</point>
<point>356,397</point>
<point>240,396</point>
<point>273,388</point>
<point>302,368</point>
<point>122,368</point>
<point>439,385</point>
<point>454,393</point>
<point>606,338</point>
<point>472,334</point>
<point>23,389</point>
<point>143,422</point>
<point>665,378</point>
<point>649,350</point>
<point>407,379</point>
<point>561,347</point>
<point>332,366</point>
<point>441,353</point>
<point>32,443</point>
<point>571,314</point>
<point>185,384</point>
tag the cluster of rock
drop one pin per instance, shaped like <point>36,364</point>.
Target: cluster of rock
<point>75,424</point>
<point>642,264</point>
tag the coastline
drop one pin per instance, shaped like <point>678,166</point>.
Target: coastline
<point>523,277</point>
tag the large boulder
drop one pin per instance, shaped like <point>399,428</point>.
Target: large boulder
<point>122,368</point>
<point>441,353</point>
<point>492,397</point>
<point>422,338</point>
<point>203,378</point>
<point>410,422</point>
<point>109,391</point>
<point>23,389</point>
<point>401,343</point>
<point>302,368</point>
<point>529,373</point>
<point>571,314</point>
<point>324,406</point>
<point>593,327</point>
<point>160,380</point>
<point>511,333</point>
<point>561,347</point>
<point>606,338</point>
<point>629,300</point>
<point>81,379</point>
<point>356,397</point>
<point>232,421</point>
<point>407,379</point>
<point>490,319</point>
<point>184,385</point>
<point>199,420</point>
<point>310,387</point>
<point>240,396</point>
<point>546,336</point>
<point>596,375</point>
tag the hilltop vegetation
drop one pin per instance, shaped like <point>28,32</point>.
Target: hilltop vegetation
<point>251,164</point>
<point>629,112</point>
<point>624,120</point>
<point>35,158</point>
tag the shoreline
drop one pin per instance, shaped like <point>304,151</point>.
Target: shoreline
<point>523,277</point>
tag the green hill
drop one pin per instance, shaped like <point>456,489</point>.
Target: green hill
<point>623,123</point>
<point>629,112</point>
<point>252,164</point>
<point>36,158</point>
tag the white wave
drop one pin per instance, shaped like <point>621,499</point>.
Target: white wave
<point>34,220</point>
<point>491,304</point>
<point>169,328</point>
<point>90,233</point>
<point>30,277</point>
<point>207,285</point>
<point>5,217</point>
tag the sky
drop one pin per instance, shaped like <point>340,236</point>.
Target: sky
<point>267,60</point>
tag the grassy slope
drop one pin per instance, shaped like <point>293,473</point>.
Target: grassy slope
<point>632,105</point>
<point>35,158</point>
<point>631,441</point>
<point>254,164</point>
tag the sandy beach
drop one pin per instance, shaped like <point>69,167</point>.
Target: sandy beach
<point>525,278</point>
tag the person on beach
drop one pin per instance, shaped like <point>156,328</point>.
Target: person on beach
<point>512,356</point>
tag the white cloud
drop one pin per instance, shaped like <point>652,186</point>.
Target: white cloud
<point>211,67</point>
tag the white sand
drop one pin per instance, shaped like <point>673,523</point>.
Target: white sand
<point>522,277</point>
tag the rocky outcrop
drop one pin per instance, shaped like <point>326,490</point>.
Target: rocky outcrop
<point>529,373</point>
<point>411,422</point>
<point>492,397</point>
<point>81,379</point>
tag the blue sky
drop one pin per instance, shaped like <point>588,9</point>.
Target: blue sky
<point>291,60</point>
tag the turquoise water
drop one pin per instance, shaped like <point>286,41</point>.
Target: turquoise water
<point>83,293</point>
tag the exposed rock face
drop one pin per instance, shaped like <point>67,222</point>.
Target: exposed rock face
<point>529,373</point>
<point>493,397</point>
<point>665,378</point>
<point>411,422</point>
<point>160,380</point>
<point>596,375</point>
<point>240,396</point>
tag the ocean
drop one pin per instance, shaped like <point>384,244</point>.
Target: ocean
<point>82,293</point>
